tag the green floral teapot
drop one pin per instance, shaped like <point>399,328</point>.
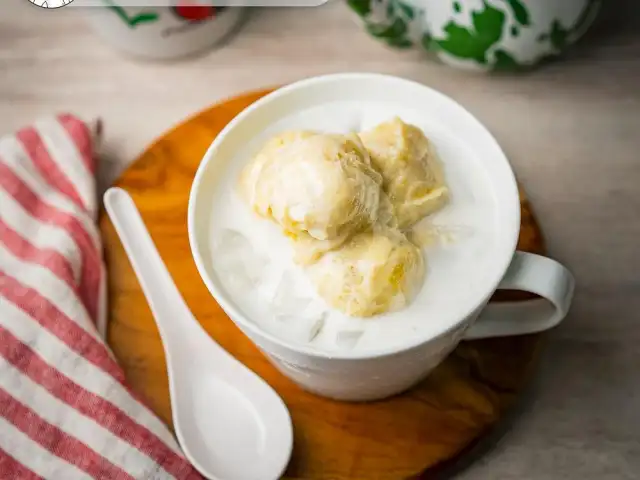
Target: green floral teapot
<point>480,34</point>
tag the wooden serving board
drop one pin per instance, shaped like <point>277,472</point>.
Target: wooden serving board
<point>408,436</point>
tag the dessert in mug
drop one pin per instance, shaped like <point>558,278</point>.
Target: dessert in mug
<point>314,232</point>
<point>374,272</point>
<point>351,302</point>
<point>411,171</point>
<point>321,188</point>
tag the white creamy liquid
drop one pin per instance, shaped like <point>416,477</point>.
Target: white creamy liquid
<point>458,259</point>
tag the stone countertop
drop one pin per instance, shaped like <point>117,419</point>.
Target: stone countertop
<point>570,129</point>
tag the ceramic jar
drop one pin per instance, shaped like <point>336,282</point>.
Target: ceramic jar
<point>479,34</point>
<point>163,32</point>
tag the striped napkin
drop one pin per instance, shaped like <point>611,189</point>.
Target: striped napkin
<point>66,411</point>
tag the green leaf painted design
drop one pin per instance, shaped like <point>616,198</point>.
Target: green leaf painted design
<point>387,20</point>
<point>474,43</point>
<point>391,10</point>
<point>131,21</point>
<point>558,35</point>
<point>407,10</point>
<point>456,7</point>
<point>520,12</point>
<point>504,61</point>
<point>397,29</point>
<point>401,42</point>
<point>561,36</point>
<point>361,7</point>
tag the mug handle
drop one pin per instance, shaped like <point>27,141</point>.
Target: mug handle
<point>531,273</point>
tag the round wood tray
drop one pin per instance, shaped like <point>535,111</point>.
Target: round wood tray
<point>416,434</point>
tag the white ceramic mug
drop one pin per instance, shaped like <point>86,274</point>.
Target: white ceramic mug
<point>359,376</point>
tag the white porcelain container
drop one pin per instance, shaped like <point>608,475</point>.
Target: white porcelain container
<point>163,33</point>
<point>377,374</point>
<point>480,34</point>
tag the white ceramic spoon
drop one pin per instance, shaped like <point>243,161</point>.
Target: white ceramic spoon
<point>229,422</point>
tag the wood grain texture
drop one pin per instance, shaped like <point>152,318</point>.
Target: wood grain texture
<point>392,439</point>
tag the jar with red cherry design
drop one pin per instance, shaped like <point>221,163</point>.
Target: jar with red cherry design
<point>180,29</point>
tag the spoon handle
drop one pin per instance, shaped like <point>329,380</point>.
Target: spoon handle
<point>167,305</point>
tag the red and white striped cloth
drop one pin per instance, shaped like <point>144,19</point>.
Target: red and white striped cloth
<point>66,411</point>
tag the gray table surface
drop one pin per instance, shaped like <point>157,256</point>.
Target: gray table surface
<point>570,129</point>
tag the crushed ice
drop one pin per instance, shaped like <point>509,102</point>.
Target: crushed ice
<point>243,269</point>
<point>237,261</point>
<point>316,327</point>
<point>287,302</point>
<point>291,305</point>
